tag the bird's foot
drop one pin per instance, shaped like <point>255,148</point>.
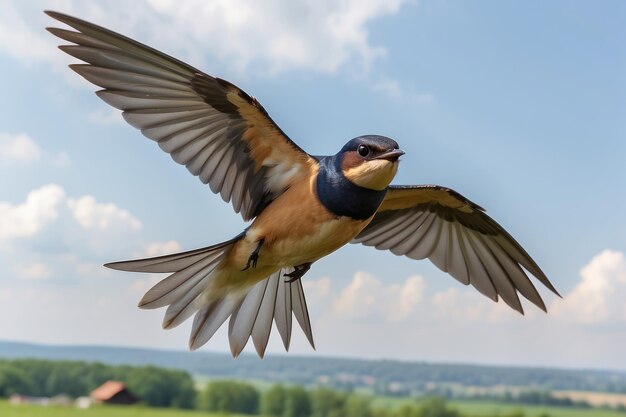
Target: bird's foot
<point>297,273</point>
<point>254,256</point>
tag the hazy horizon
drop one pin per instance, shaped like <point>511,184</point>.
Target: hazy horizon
<point>251,355</point>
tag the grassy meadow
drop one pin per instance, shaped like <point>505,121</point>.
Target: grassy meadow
<point>8,410</point>
<point>470,408</point>
<point>484,408</point>
<point>492,408</point>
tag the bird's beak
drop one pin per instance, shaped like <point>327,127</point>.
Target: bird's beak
<point>392,155</point>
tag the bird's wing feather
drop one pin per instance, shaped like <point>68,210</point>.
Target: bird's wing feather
<point>437,223</point>
<point>220,133</point>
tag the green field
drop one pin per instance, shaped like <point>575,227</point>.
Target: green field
<point>8,410</point>
<point>490,408</point>
<point>479,408</point>
<point>470,408</point>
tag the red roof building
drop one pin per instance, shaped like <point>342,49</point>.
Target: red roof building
<point>113,392</point>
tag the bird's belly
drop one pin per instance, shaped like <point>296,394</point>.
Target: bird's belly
<point>323,239</point>
<point>289,245</point>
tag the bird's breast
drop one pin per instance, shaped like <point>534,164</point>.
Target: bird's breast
<point>297,228</point>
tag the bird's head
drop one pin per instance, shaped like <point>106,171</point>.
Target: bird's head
<point>370,161</point>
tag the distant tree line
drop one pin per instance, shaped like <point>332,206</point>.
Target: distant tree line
<point>414,378</point>
<point>528,397</point>
<point>157,387</point>
<point>531,397</point>
<point>295,401</point>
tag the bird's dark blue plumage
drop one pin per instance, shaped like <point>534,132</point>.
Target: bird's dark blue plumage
<point>340,196</point>
<point>376,141</point>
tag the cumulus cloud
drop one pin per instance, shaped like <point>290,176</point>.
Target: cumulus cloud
<point>366,297</point>
<point>19,148</point>
<point>28,218</point>
<point>93,215</point>
<point>599,296</point>
<point>274,36</point>
<point>64,233</point>
<point>282,34</point>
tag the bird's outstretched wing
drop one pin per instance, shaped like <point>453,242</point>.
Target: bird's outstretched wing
<point>215,129</point>
<point>457,235</point>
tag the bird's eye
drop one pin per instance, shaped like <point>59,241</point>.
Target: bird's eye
<point>363,150</point>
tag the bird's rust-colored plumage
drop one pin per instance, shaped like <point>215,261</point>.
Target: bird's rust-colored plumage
<point>292,234</point>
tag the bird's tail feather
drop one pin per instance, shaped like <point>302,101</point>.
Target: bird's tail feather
<point>251,312</point>
<point>270,299</point>
<point>174,262</point>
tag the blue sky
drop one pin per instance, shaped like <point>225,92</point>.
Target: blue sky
<point>517,105</point>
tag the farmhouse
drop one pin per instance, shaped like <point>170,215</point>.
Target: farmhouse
<point>113,392</point>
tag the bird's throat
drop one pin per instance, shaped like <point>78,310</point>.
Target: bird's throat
<point>342,197</point>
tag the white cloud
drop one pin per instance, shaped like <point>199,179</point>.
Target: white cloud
<point>282,34</point>
<point>271,36</point>
<point>367,297</point>
<point>18,148</point>
<point>22,149</point>
<point>93,215</point>
<point>27,219</point>
<point>78,233</point>
<point>599,296</point>
<point>64,240</point>
<point>244,36</point>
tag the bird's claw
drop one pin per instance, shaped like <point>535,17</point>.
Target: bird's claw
<point>252,261</point>
<point>293,276</point>
<point>254,256</point>
<point>297,273</point>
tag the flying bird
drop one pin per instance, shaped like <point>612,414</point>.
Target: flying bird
<point>301,207</point>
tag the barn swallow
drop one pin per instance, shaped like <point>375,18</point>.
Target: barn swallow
<point>301,207</point>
